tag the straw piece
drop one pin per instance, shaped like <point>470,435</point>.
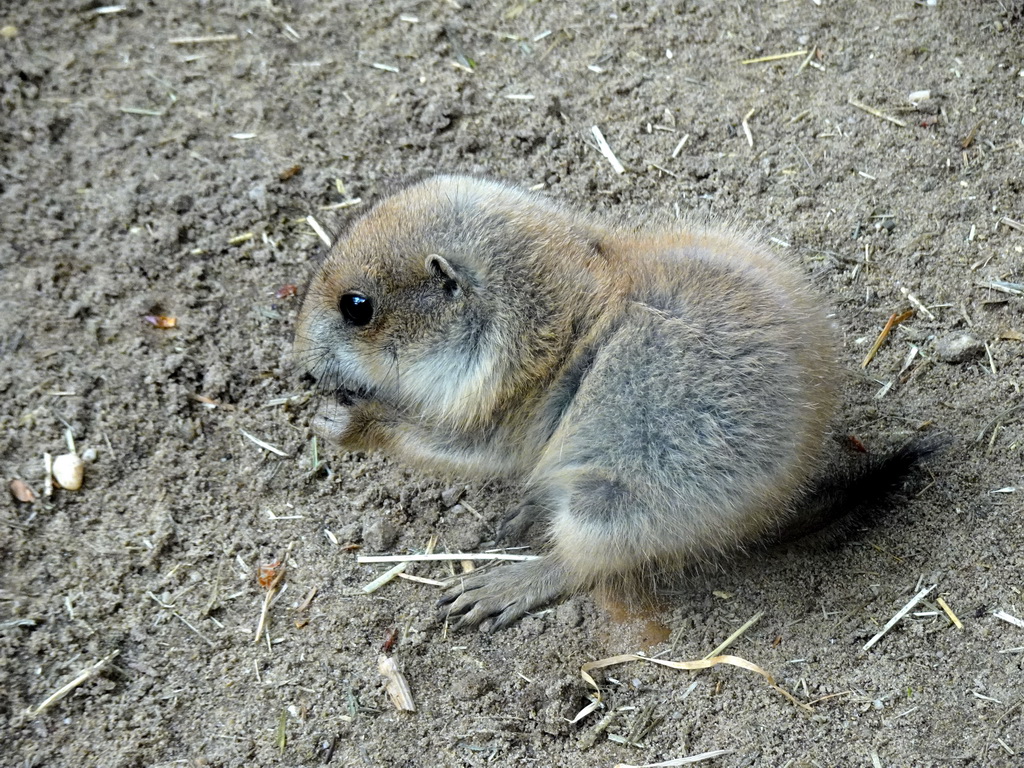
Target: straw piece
<point>1009,619</point>
<point>606,150</point>
<point>203,40</point>
<point>899,615</point>
<point>319,230</point>
<point>877,113</point>
<point>80,679</point>
<point>263,444</point>
<point>736,635</point>
<point>441,556</point>
<point>894,320</point>
<point>949,612</point>
<point>735,661</point>
<point>384,578</point>
<point>775,57</point>
<point>680,760</point>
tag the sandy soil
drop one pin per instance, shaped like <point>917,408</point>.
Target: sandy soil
<point>140,176</point>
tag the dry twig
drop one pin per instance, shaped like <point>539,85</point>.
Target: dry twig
<point>80,679</point>
<point>877,113</point>
<point>894,320</point>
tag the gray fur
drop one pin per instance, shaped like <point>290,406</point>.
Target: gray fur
<point>663,395</point>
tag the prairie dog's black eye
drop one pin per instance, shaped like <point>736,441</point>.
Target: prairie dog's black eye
<point>356,308</point>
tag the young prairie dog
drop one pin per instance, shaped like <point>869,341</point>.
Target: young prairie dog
<point>662,394</point>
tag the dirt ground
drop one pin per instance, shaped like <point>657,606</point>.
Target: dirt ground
<point>144,175</point>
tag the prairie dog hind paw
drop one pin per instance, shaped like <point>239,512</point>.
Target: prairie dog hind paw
<point>496,599</point>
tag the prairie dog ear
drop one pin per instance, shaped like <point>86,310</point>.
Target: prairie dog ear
<point>439,267</point>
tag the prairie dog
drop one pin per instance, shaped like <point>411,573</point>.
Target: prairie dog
<point>663,395</point>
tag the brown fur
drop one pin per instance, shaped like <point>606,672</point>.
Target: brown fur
<point>663,395</point>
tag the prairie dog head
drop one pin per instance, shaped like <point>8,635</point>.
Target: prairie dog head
<point>445,299</point>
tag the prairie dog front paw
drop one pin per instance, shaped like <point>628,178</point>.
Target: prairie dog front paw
<point>334,423</point>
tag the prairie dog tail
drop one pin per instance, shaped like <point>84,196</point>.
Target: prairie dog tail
<point>853,491</point>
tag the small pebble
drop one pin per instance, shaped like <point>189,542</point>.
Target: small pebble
<point>21,491</point>
<point>467,536</point>
<point>958,348</point>
<point>470,686</point>
<point>68,471</point>
<point>379,535</point>
<point>450,496</point>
